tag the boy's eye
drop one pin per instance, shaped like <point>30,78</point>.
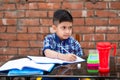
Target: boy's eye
<point>64,27</point>
<point>70,27</point>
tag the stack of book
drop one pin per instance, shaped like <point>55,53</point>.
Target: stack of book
<point>32,65</point>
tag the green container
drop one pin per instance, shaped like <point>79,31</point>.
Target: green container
<point>92,71</point>
<point>93,63</point>
<point>93,58</point>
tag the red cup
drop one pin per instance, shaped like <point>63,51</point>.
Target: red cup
<point>104,55</point>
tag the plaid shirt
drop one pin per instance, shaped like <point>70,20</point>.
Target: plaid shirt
<point>70,45</point>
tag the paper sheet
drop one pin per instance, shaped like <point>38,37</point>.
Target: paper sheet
<point>39,59</point>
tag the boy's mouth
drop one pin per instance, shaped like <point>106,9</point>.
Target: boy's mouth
<point>66,36</point>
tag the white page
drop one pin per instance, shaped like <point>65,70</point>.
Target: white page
<point>45,67</point>
<point>39,59</point>
<point>44,59</point>
<point>25,62</point>
<point>13,64</point>
<point>79,59</point>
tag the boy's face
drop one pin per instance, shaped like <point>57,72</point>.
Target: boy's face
<point>63,30</point>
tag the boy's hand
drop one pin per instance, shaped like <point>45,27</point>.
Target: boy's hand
<point>70,57</point>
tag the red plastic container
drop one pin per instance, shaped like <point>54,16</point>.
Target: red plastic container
<point>104,54</point>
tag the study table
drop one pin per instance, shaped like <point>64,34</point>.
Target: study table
<point>72,70</point>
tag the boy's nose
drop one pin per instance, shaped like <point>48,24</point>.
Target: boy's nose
<point>68,31</point>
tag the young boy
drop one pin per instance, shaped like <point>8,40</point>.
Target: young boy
<point>61,45</point>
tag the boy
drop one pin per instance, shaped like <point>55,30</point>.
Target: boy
<point>61,44</point>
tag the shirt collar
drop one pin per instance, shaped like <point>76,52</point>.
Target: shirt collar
<point>58,40</point>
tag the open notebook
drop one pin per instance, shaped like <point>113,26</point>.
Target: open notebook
<point>39,59</point>
<point>24,66</point>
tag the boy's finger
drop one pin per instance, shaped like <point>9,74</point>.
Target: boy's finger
<point>73,58</point>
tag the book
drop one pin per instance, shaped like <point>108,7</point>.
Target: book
<point>25,71</point>
<point>22,63</point>
<point>39,59</point>
<point>32,65</point>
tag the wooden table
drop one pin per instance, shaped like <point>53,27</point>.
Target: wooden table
<point>71,70</point>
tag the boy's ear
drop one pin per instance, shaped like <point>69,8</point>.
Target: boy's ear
<point>53,29</point>
<point>53,26</point>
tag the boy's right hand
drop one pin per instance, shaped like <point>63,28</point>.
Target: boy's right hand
<point>69,57</point>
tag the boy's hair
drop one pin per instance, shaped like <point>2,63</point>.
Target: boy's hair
<point>62,16</point>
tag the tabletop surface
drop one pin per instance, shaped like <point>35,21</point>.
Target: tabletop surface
<point>72,70</point>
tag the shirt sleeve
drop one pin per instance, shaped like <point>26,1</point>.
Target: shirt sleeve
<point>46,44</point>
<point>78,49</point>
